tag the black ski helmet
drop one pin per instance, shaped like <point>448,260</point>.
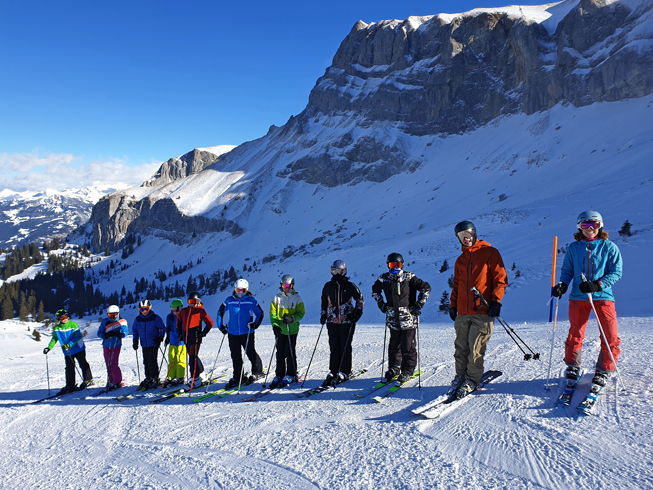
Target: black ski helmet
<point>61,312</point>
<point>465,226</point>
<point>395,257</point>
<point>339,268</point>
<point>195,296</point>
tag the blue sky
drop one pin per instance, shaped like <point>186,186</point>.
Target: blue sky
<point>106,91</point>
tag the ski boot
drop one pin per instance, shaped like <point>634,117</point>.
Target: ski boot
<point>465,389</point>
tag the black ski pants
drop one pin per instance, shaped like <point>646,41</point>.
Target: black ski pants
<point>195,365</point>
<point>150,362</point>
<point>238,342</point>
<point>286,355</point>
<point>340,339</point>
<point>70,368</point>
<point>402,353</point>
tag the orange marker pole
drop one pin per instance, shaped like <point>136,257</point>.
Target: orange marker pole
<point>553,274</point>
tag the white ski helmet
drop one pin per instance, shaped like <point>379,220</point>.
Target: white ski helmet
<point>241,284</point>
<point>113,309</point>
<point>145,304</point>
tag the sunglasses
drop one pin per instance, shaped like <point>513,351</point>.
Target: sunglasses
<point>395,265</point>
<point>241,290</point>
<point>590,225</point>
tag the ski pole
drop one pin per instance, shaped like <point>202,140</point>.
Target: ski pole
<point>311,361</point>
<point>385,334</point>
<point>138,368</point>
<point>214,363</point>
<point>553,336</point>
<point>342,359</point>
<point>47,370</point>
<point>589,297</point>
<point>419,364</point>
<point>163,356</point>
<point>242,368</point>
<point>506,326</point>
<point>292,356</point>
<point>270,363</point>
<point>170,365</point>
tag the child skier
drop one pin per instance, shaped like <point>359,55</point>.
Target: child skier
<point>239,316</point>
<point>67,333</point>
<point>112,330</point>
<point>189,330</point>
<point>286,310</point>
<point>148,327</point>
<point>177,349</point>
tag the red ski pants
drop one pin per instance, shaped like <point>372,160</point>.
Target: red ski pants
<point>579,313</point>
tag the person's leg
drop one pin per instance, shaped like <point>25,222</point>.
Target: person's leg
<point>235,347</point>
<point>480,332</point>
<point>252,355</point>
<point>347,349</point>
<point>83,365</point>
<point>70,372</point>
<point>394,350</point>
<point>579,313</point>
<point>608,317</point>
<point>408,352</point>
<point>334,347</point>
<point>282,347</point>
<point>461,344</point>
<point>291,359</point>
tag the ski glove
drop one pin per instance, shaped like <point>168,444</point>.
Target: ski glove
<point>288,319</point>
<point>383,307</point>
<point>453,313</point>
<point>135,345</point>
<point>590,287</point>
<point>559,289</point>
<point>223,329</point>
<point>415,311</point>
<point>158,340</point>
<point>66,346</point>
<point>358,313</point>
<point>323,318</point>
<point>205,332</point>
<point>46,350</point>
<point>494,309</point>
<point>252,325</point>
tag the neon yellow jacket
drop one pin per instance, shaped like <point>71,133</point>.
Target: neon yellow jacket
<point>291,304</point>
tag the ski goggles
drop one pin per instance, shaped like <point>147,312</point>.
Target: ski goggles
<point>144,309</point>
<point>113,316</point>
<point>395,265</point>
<point>63,318</point>
<point>241,290</point>
<point>590,225</point>
<point>286,286</point>
<point>193,302</point>
<point>337,272</point>
<point>465,234</point>
<point>176,309</point>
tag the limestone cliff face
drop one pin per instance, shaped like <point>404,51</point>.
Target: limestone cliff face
<point>391,83</point>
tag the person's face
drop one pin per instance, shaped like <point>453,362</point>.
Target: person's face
<point>466,238</point>
<point>590,229</point>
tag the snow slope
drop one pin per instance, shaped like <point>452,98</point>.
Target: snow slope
<point>507,436</point>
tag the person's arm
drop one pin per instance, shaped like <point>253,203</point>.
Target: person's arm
<point>424,289</point>
<point>613,268</point>
<point>377,290</point>
<point>499,277</point>
<point>299,310</point>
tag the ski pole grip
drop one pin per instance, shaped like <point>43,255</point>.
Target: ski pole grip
<point>582,276</point>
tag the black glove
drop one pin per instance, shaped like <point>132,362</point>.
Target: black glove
<point>494,309</point>
<point>415,311</point>
<point>205,332</point>
<point>358,313</point>
<point>559,289</point>
<point>158,340</point>
<point>383,307</point>
<point>252,325</point>
<point>323,318</point>
<point>453,313</point>
<point>167,340</point>
<point>590,287</point>
<point>46,350</point>
<point>135,345</point>
<point>288,319</point>
<point>223,329</point>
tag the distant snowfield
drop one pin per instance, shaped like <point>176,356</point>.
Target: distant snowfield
<point>506,436</point>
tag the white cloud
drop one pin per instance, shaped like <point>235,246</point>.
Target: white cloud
<point>35,172</point>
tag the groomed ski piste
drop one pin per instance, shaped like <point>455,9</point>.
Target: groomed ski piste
<point>509,435</point>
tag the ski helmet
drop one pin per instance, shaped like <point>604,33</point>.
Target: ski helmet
<point>241,284</point>
<point>194,298</point>
<point>61,313</point>
<point>465,226</point>
<point>145,304</point>
<point>287,279</point>
<point>176,303</point>
<point>589,216</point>
<point>113,311</point>
<point>339,268</point>
<point>395,257</point>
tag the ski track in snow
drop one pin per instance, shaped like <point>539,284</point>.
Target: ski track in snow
<point>508,435</point>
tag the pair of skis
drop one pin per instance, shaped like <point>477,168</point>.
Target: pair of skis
<point>587,404</point>
<point>57,396</point>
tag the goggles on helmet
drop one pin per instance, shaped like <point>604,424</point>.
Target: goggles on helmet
<point>63,318</point>
<point>241,290</point>
<point>337,272</point>
<point>193,302</point>
<point>590,225</point>
<point>395,265</point>
<point>286,286</point>
<point>143,309</point>
<point>113,316</point>
<point>176,309</point>
<point>465,234</point>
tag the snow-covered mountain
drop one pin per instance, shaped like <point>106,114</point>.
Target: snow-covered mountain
<point>35,216</point>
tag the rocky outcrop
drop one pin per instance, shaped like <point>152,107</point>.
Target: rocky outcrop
<point>447,74</point>
<point>191,163</point>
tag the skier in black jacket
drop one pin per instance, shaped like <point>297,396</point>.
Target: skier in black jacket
<point>402,307</point>
<point>342,307</point>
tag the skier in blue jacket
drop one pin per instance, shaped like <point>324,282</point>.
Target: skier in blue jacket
<point>239,316</point>
<point>67,333</point>
<point>113,329</point>
<point>148,327</point>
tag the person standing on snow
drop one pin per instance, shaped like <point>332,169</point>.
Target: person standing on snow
<point>112,330</point>
<point>402,307</point>
<point>286,310</point>
<point>342,306</point>
<point>67,333</point>
<point>479,266</point>
<point>599,259</point>
<point>189,330</point>
<point>148,327</point>
<point>177,349</point>
<point>239,316</point>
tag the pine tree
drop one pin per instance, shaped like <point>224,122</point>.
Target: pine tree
<point>625,229</point>
<point>444,302</point>
<point>41,314</point>
<point>445,266</point>
<point>7,309</point>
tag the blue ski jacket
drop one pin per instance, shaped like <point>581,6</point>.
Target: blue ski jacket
<point>171,330</point>
<point>600,260</point>
<point>67,334</point>
<point>147,328</point>
<point>237,312</point>
<point>107,326</point>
